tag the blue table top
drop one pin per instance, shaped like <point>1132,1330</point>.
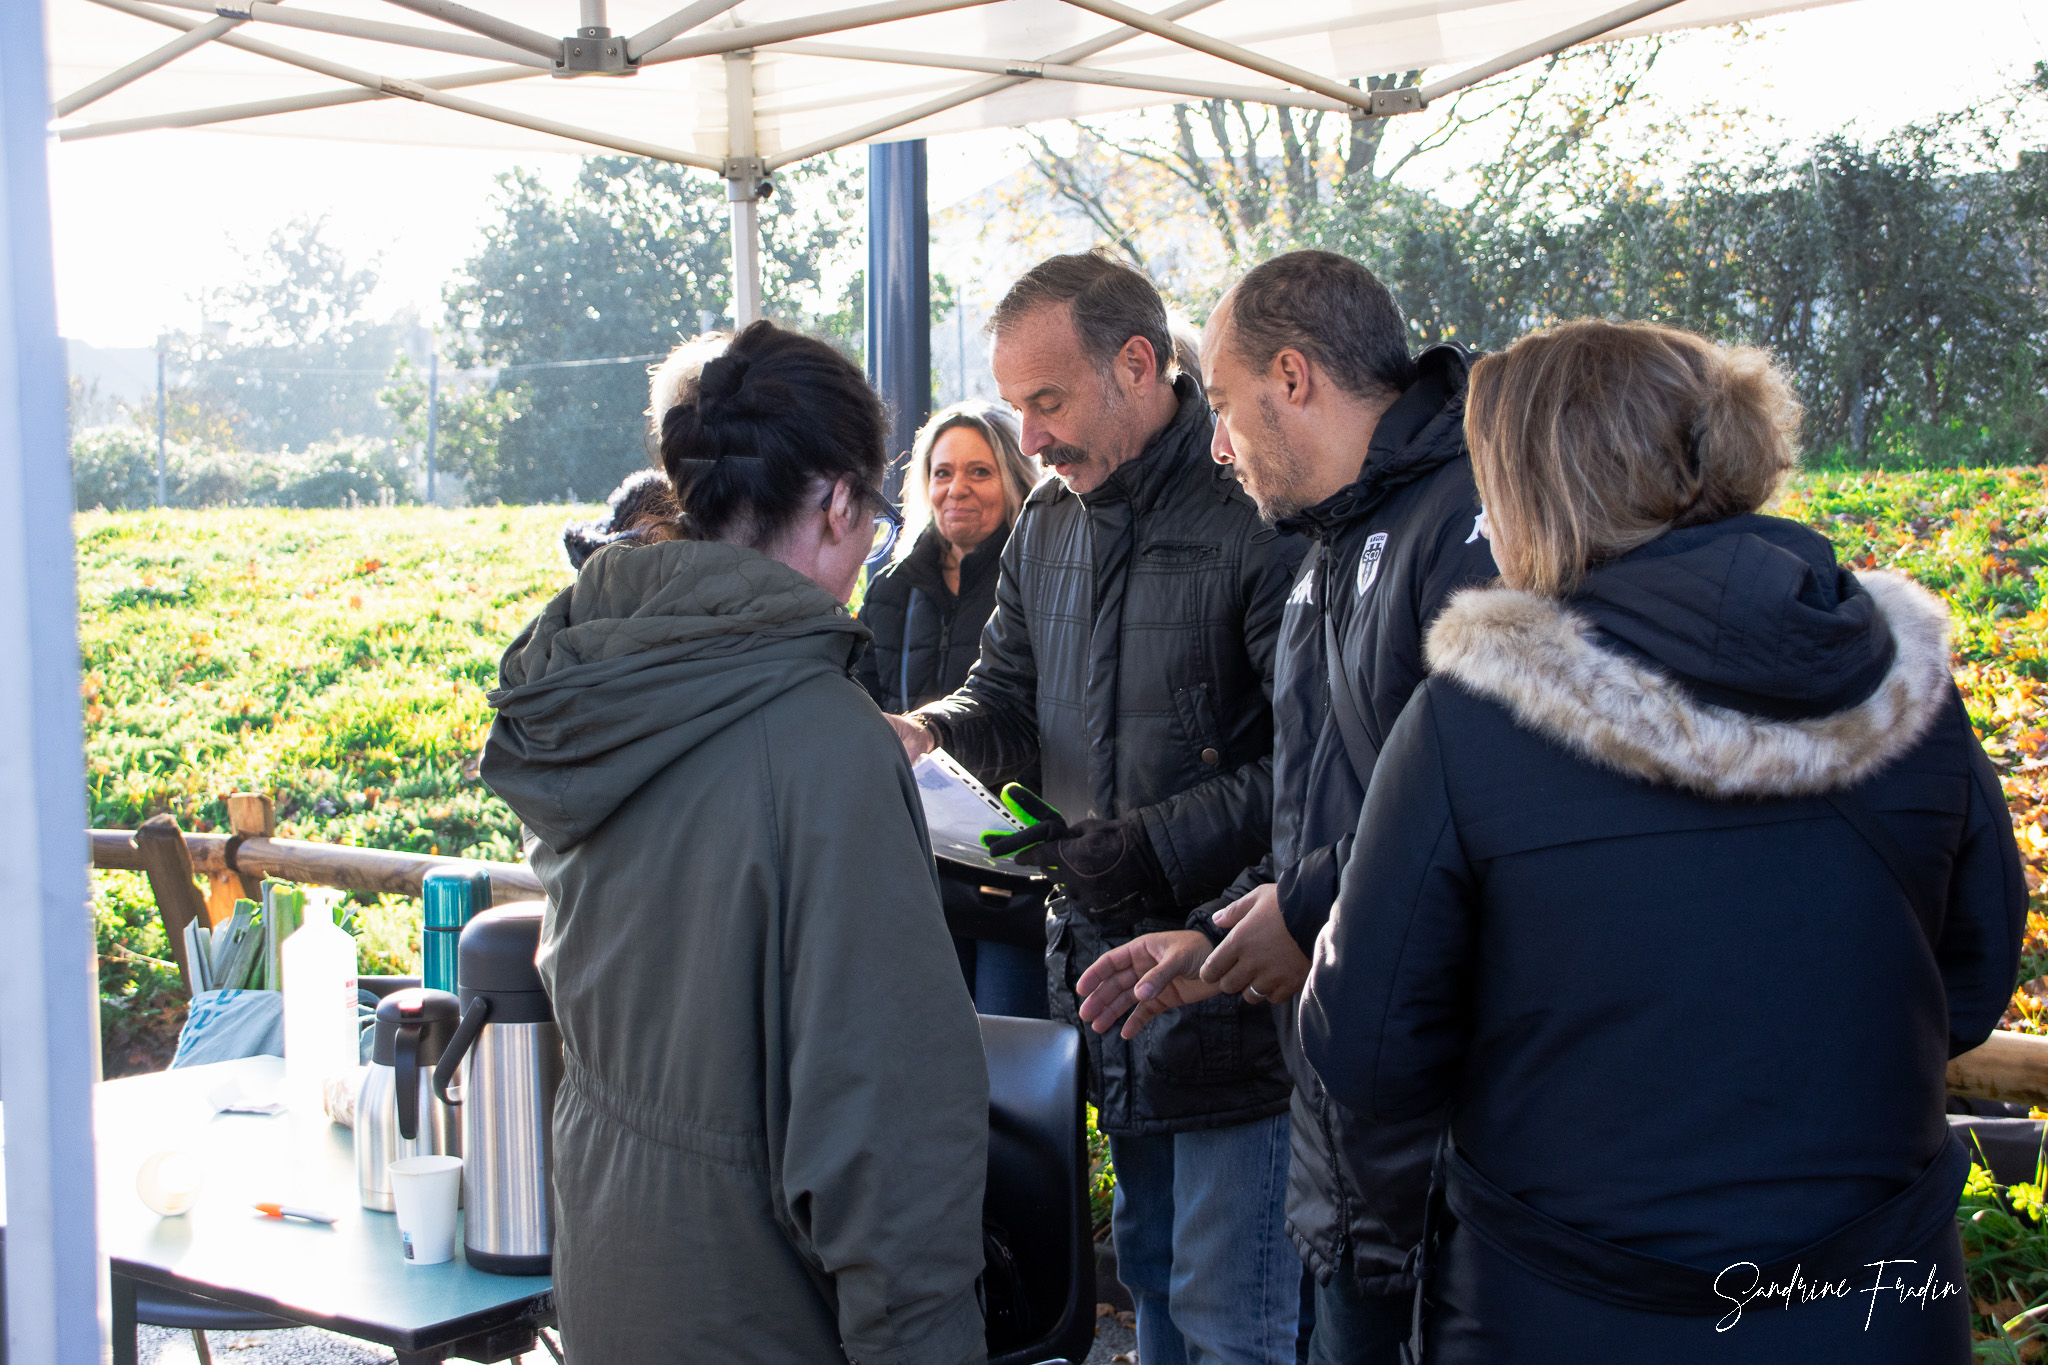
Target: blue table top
<point>349,1277</point>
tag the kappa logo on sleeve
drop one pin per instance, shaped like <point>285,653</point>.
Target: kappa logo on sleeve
<point>1304,594</point>
<point>1369,561</point>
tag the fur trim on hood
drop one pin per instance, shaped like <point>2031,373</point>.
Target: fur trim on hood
<point>1539,659</point>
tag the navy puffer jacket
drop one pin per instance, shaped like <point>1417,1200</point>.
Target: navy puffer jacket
<point>1638,893</point>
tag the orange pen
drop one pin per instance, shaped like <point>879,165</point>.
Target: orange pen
<point>290,1211</point>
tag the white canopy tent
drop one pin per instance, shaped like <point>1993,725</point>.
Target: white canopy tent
<point>737,89</point>
<point>745,89</point>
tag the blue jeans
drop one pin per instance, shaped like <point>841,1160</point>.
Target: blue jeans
<point>1010,980</point>
<point>1201,1243</point>
<point>1357,1328</point>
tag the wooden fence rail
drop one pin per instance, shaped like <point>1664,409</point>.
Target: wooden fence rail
<point>303,860</point>
<point>2011,1066</point>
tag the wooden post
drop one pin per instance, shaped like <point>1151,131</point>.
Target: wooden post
<point>251,815</point>
<point>2012,1067</point>
<point>169,865</point>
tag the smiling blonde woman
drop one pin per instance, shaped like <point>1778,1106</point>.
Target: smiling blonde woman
<point>966,482</point>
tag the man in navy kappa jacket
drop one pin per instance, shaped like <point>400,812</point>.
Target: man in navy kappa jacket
<point>1336,433</point>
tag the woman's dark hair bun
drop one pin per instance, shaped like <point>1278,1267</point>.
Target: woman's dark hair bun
<point>765,422</point>
<point>721,379</point>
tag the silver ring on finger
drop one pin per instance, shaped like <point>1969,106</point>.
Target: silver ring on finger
<point>1253,992</point>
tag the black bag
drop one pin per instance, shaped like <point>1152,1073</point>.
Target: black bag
<point>1005,1307</point>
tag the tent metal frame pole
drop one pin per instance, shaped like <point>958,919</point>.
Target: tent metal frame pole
<point>749,37</point>
<point>397,35</point>
<point>1082,75</point>
<point>490,25</point>
<point>1229,52</point>
<point>289,104</point>
<point>56,1281</point>
<point>1079,52</point>
<point>745,176</point>
<point>414,90</point>
<point>1545,47</point>
<point>682,21</point>
<point>593,16</point>
<point>142,66</point>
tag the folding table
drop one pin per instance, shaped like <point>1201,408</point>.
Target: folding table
<point>348,1278</point>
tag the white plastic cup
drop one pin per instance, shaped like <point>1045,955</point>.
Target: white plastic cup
<point>425,1189</point>
<point>169,1181</point>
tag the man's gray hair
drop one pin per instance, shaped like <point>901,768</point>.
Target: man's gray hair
<point>1111,303</point>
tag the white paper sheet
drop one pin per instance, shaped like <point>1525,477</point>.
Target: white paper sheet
<point>957,809</point>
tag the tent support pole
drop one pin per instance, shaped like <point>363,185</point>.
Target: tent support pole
<point>682,21</point>
<point>967,94</point>
<point>142,66</point>
<point>745,179</point>
<point>398,35</point>
<point>1544,47</point>
<point>476,21</point>
<point>899,302</point>
<point>289,104</point>
<point>1080,75</point>
<point>49,1014</point>
<point>417,90</point>
<point>752,36</point>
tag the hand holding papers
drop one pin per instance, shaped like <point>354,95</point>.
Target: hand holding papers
<point>957,809</point>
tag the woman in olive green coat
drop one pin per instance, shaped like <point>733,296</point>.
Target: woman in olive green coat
<point>771,1137</point>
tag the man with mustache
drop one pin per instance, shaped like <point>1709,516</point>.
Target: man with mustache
<point>1131,653</point>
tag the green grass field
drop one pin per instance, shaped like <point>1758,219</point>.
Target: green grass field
<point>339,659</point>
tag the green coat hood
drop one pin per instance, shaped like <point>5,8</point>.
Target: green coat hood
<point>650,651</point>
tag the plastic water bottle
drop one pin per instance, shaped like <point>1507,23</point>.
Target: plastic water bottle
<point>321,1036</point>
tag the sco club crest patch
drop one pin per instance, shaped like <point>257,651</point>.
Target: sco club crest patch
<point>1369,561</point>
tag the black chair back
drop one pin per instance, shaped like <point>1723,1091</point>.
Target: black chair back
<point>1038,1183</point>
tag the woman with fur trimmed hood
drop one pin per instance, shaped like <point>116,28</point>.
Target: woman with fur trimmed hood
<point>1681,879</point>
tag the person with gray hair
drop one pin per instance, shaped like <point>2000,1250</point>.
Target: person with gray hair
<point>1130,655</point>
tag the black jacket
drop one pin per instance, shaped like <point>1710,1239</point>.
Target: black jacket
<point>1388,551</point>
<point>1131,654</point>
<point>1602,906</point>
<point>926,637</point>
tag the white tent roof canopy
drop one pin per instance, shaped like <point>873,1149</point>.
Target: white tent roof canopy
<point>656,79</point>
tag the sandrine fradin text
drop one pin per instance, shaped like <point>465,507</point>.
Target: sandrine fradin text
<point>1895,1282</point>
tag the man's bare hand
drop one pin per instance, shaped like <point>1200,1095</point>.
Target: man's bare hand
<point>1153,973</point>
<point>917,741</point>
<point>1259,955</point>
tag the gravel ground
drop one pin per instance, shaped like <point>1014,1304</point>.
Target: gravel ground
<point>1115,1344</point>
<point>300,1346</point>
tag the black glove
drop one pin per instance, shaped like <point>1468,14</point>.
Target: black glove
<point>1106,865</point>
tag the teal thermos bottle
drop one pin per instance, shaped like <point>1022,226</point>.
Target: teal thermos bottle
<point>452,896</point>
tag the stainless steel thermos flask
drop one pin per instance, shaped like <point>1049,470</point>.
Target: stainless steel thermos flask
<point>511,1056</point>
<point>397,1114</point>
<point>450,897</point>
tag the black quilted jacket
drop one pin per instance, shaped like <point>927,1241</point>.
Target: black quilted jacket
<point>1131,653</point>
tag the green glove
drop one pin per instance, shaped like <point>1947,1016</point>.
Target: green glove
<point>1041,823</point>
